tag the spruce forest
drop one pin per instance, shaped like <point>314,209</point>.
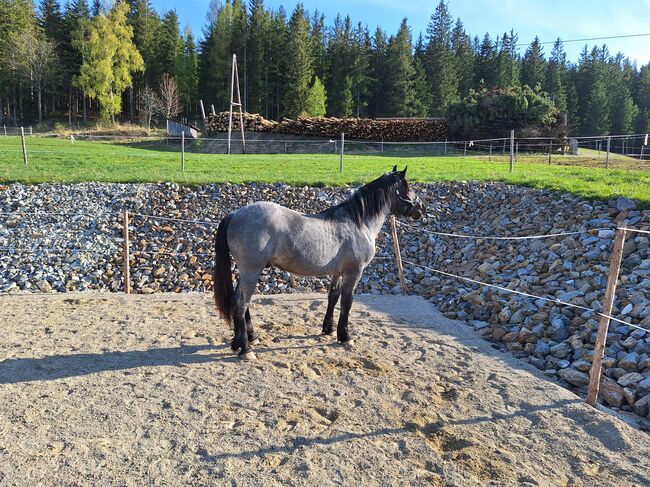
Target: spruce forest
<point>80,62</point>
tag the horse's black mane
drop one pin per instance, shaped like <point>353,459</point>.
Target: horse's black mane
<point>368,201</point>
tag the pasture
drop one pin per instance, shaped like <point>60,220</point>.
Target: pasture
<point>58,160</point>
<point>103,388</point>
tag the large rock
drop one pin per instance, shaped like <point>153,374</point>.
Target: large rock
<point>611,393</point>
<point>561,350</point>
<point>574,377</point>
<point>628,379</point>
<point>642,406</point>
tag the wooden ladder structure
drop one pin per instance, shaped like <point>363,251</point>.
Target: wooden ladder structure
<point>235,77</point>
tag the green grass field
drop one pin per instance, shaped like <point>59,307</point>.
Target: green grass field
<point>58,160</point>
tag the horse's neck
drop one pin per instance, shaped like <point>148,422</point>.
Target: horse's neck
<point>375,223</point>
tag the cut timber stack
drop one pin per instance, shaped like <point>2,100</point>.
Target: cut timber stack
<point>252,121</point>
<point>389,130</point>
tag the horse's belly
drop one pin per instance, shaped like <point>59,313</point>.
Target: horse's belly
<point>307,265</point>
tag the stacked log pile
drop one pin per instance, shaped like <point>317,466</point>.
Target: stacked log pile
<point>252,121</point>
<point>389,130</point>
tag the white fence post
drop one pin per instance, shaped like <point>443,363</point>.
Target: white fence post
<point>609,141</point>
<point>342,148</point>
<point>512,151</point>
<point>126,270</point>
<point>183,150</point>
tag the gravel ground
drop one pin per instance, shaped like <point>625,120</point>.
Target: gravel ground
<point>79,249</point>
<point>108,389</point>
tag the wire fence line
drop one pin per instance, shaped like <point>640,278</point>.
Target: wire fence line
<point>628,151</point>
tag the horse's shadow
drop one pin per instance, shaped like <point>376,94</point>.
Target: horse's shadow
<point>53,367</point>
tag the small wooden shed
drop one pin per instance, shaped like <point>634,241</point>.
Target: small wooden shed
<point>176,128</point>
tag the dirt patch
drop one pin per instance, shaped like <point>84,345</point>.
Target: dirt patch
<point>136,390</point>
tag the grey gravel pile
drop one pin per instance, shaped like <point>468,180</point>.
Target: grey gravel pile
<point>59,253</point>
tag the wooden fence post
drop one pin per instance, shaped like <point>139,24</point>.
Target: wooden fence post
<point>398,255</point>
<point>22,138</point>
<point>609,141</point>
<point>465,150</point>
<point>183,151</point>
<point>490,157</point>
<point>601,338</point>
<point>126,269</point>
<point>550,149</point>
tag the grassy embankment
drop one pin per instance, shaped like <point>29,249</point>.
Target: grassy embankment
<point>58,160</point>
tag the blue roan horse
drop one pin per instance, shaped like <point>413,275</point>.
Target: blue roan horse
<point>339,242</point>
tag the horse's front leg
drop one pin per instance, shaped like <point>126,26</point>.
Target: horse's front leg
<point>332,298</point>
<point>349,282</point>
<point>253,338</point>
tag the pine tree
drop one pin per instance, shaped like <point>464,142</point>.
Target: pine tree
<point>533,66</point>
<point>461,45</point>
<point>340,58</point>
<point>440,63</point>
<point>256,53</point>
<point>485,73</point>
<point>622,110</point>
<point>641,94</point>
<point>378,62</point>
<point>360,72</point>
<point>299,64</point>
<point>318,44</point>
<point>556,72</point>
<point>277,64</point>
<point>215,60</point>
<point>507,64</point>
<point>402,99</point>
<point>186,70</point>
<point>168,46</point>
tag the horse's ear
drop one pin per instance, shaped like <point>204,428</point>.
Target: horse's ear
<point>395,168</point>
<point>404,171</point>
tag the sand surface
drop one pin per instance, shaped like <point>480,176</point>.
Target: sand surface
<point>106,389</point>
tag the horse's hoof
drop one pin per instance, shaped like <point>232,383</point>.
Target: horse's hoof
<point>247,356</point>
<point>348,343</point>
<point>254,341</point>
<point>327,332</point>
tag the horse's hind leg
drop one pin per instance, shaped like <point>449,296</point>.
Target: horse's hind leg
<point>332,298</point>
<point>252,336</point>
<point>245,290</point>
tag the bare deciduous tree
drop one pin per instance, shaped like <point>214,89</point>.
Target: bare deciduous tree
<point>33,58</point>
<point>150,104</point>
<point>170,97</point>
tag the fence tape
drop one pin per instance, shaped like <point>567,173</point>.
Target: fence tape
<point>513,291</point>
<point>526,237</point>
<point>167,218</point>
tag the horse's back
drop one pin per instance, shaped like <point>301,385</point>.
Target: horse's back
<point>266,233</point>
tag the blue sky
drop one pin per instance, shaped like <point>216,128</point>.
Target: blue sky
<point>549,19</point>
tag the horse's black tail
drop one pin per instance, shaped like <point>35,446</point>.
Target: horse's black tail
<point>223,292</point>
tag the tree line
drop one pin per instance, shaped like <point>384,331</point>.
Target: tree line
<point>131,62</point>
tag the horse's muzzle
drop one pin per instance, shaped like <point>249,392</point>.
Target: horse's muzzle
<point>418,209</point>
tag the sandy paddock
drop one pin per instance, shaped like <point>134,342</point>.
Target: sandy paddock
<point>106,389</point>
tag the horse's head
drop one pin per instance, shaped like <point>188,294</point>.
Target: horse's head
<point>406,202</point>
